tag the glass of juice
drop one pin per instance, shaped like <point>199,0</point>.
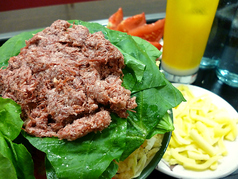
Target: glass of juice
<point>187,27</point>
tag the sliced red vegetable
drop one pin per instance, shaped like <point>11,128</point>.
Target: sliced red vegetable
<point>115,19</point>
<point>132,22</point>
<point>136,25</point>
<point>151,32</point>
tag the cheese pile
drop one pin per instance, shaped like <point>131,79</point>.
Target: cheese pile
<point>197,143</point>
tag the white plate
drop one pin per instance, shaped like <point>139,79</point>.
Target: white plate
<point>228,163</point>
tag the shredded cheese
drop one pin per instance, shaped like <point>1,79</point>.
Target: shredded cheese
<point>197,143</point>
<point>133,165</point>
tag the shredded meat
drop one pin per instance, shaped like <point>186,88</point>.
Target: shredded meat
<point>67,82</point>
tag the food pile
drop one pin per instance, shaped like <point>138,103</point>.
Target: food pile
<point>136,25</point>
<point>197,143</point>
<point>77,99</point>
<point>67,81</point>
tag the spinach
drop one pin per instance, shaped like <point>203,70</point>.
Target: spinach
<point>86,156</point>
<point>93,155</point>
<point>15,159</point>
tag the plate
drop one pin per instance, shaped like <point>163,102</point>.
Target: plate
<point>228,163</point>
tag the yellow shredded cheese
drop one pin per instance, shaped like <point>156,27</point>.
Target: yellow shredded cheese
<point>197,143</point>
<point>133,165</point>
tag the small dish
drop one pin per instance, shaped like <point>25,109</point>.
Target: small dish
<point>228,164</point>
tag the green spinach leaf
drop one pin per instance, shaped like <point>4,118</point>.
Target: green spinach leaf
<point>7,169</point>
<point>18,159</point>
<point>10,121</point>
<point>87,157</point>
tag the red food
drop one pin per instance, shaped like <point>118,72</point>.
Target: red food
<point>132,22</point>
<point>136,26</point>
<point>151,32</point>
<point>115,19</point>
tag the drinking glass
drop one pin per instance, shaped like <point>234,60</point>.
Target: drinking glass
<point>221,27</point>
<point>187,27</point>
<point>227,68</point>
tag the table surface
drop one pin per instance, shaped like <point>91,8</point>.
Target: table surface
<point>207,79</point>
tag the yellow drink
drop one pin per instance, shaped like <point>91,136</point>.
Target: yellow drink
<point>187,27</point>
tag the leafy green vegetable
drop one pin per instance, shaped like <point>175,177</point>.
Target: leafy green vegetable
<point>92,156</point>
<point>165,125</point>
<point>16,161</point>
<point>151,50</point>
<point>151,76</point>
<point>94,152</point>
<point>132,63</point>
<point>50,171</point>
<point>7,169</point>
<point>110,171</point>
<point>10,123</point>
